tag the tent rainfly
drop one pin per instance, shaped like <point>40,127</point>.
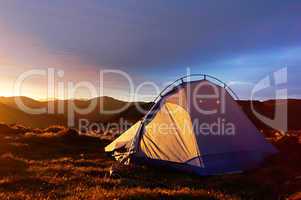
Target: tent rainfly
<point>194,126</point>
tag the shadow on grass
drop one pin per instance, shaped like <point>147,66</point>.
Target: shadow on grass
<point>27,183</point>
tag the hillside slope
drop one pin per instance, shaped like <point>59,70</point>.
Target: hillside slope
<point>11,113</point>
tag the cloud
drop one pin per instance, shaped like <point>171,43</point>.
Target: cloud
<point>137,34</point>
<point>231,83</point>
<point>234,40</point>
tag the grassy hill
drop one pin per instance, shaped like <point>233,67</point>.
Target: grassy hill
<point>11,113</point>
<point>58,163</point>
<point>267,108</point>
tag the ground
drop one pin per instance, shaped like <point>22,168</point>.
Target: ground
<point>63,165</point>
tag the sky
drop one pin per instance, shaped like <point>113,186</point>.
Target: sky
<point>241,42</point>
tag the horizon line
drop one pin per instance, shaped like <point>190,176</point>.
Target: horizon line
<point>118,99</point>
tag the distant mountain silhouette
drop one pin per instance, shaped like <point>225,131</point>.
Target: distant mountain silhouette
<point>11,101</point>
<point>10,112</point>
<point>267,108</point>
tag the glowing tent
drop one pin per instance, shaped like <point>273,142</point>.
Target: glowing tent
<point>194,126</point>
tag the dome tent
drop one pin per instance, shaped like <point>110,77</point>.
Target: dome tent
<point>194,126</point>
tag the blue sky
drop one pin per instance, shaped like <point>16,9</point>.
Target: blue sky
<point>238,41</point>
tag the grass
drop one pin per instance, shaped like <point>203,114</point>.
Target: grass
<point>64,165</point>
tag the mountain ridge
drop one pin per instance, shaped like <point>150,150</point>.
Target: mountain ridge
<point>11,113</point>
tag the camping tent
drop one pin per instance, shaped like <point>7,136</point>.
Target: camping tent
<point>195,126</point>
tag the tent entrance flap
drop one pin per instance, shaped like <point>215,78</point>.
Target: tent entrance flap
<point>125,139</point>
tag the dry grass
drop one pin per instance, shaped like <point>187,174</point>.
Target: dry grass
<point>65,165</point>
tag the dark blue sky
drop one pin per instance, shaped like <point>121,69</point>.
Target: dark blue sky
<point>239,41</point>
